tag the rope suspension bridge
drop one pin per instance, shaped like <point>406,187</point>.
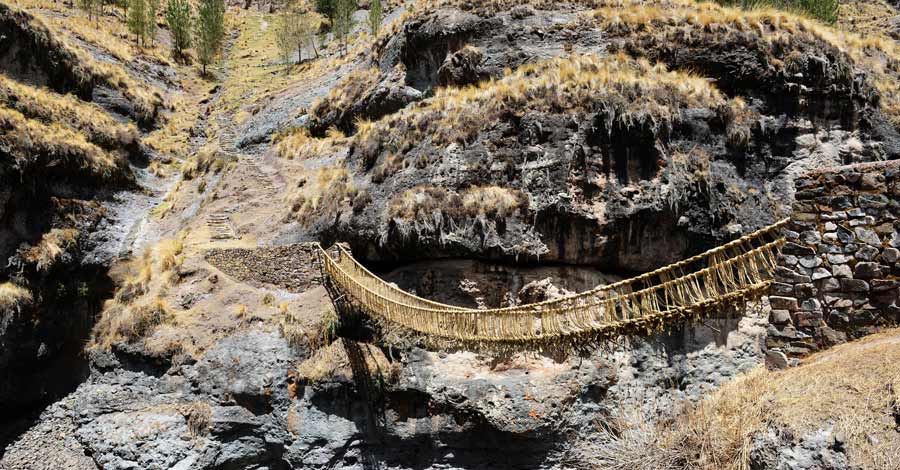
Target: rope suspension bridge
<point>730,274</point>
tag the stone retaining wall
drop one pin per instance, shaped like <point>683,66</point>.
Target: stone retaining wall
<point>838,272</point>
<point>291,267</point>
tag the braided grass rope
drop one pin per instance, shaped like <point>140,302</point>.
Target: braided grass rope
<point>729,274</point>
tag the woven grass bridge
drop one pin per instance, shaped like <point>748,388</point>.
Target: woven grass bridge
<point>730,274</point>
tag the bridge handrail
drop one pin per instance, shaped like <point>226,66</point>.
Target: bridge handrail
<point>723,278</point>
<point>592,292</point>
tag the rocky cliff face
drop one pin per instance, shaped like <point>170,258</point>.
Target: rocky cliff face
<point>603,180</point>
<point>253,401</point>
<point>476,153</point>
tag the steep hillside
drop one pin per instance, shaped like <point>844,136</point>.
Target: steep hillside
<point>165,304</point>
<point>75,180</point>
<point>687,149</point>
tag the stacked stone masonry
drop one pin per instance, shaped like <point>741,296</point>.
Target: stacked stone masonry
<point>291,267</point>
<point>839,270</point>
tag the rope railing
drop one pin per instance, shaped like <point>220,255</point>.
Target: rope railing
<point>737,269</point>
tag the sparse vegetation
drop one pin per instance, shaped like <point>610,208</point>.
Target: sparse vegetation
<point>779,38</point>
<point>49,107</point>
<point>852,386</point>
<point>138,308</point>
<point>54,150</point>
<point>824,10</point>
<point>209,157</point>
<point>295,29</point>
<point>332,189</point>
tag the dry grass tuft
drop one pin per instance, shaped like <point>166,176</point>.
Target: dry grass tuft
<point>53,149</point>
<point>13,297</point>
<point>299,143</point>
<point>424,204</point>
<point>209,157</point>
<point>198,416</point>
<point>53,245</point>
<point>333,363</point>
<point>130,316</point>
<point>334,108</point>
<point>332,189</point>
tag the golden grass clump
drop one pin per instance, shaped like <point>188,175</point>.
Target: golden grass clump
<point>37,103</point>
<point>129,316</point>
<point>53,149</point>
<point>629,90</point>
<point>332,188</point>
<point>131,323</point>
<point>209,157</point>
<point>425,203</point>
<point>52,246</point>
<point>333,109</point>
<point>300,144</point>
<point>338,360</point>
<point>13,297</point>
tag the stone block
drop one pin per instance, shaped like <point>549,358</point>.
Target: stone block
<point>844,235</point>
<point>775,360</point>
<point>830,226</point>
<point>837,215</point>
<point>810,261</point>
<point>867,270</point>
<point>862,221</point>
<point>867,236</point>
<point>882,285</point>
<point>866,253</point>
<point>885,229</point>
<point>810,305</point>
<point>820,273</point>
<point>779,317</point>
<point>890,255</point>
<point>838,259</point>
<point>854,285</point>
<point>841,270</point>
<point>830,285</point>
<point>782,288</point>
<point>787,260</point>
<point>856,212</point>
<point>803,291</point>
<point>791,248</point>
<point>783,303</point>
<point>810,237</point>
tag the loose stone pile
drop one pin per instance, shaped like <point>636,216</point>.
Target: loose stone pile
<point>838,273</point>
<point>291,267</point>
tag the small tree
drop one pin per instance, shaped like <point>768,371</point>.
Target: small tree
<point>152,25</point>
<point>178,18</point>
<point>343,21</point>
<point>376,14</point>
<point>294,30</point>
<point>287,34</point>
<point>210,29</point>
<point>93,8</point>
<point>137,19</point>
<point>327,8</point>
